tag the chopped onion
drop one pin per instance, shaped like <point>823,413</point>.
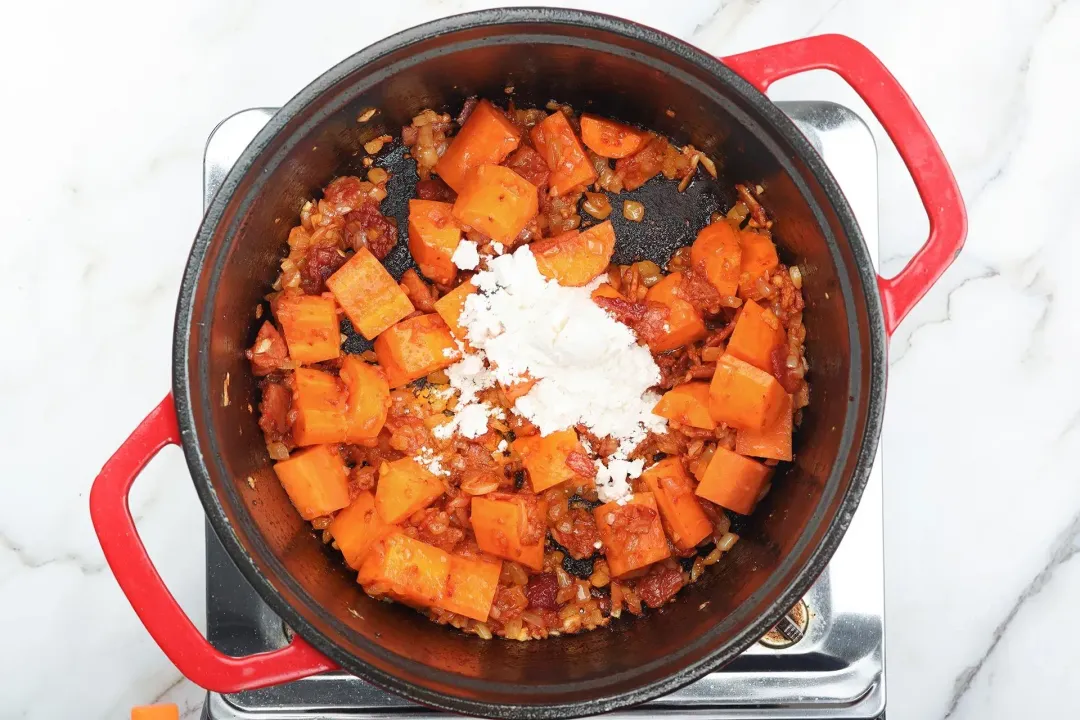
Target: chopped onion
<point>597,205</point>
<point>633,210</point>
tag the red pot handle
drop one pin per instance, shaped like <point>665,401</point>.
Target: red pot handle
<point>170,627</point>
<point>905,126</point>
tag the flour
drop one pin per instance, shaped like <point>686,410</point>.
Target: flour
<point>465,255</point>
<point>428,459</point>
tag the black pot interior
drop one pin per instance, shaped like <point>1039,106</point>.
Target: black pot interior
<point>615,69</point>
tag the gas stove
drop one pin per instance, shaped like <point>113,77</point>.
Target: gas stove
<point>826,659</point>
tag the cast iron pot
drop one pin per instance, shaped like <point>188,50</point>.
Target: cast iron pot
<point>614,68</point>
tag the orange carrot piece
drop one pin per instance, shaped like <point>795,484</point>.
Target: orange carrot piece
<point>688,404</point>
<point>575,258</point>
<point>518,389</point>
<point>356,528</point>
<point>470,587</point>
<point>406,570</point>
<point>166,711</point>
<point>315,480</point>
<point>632,534</point>
<point>319,401</point>
<point>486,138</point>
<point>610,139</point>
<point>606,290</point>
<point>684,323</point>
<point>368,400</point>
<point>686,522</point>
<point>554,139</point>
<point>757,332</point>
<point>733,481</point>
<point>433,237</point>
<point>498,520</point>
<point>405,486</point>
<point>545,457</point>
<point>773,441</point>
<point>450,305</point>
<point>717,254</point>
<point>496,201</point>
<point>759,258</point>
<point>368,294</point>
<point>311,327</point>
<point>744,396</point>
<point>414,348</point>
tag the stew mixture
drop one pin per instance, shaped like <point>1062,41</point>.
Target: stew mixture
<point>538,440</point>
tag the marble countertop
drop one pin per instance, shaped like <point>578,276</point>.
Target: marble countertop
<point>109,105</point>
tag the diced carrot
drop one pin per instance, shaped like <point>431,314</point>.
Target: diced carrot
<point>486,138</point>
<point>470,587</point>
<point>554,139</point>
<point>688,404</point>
<point>433,237</point>
<point>684,323</point>
<point>632,534</point>
<point>575,258</point>
<point>315,480</point>
<point>319,401</point>
<point>405,486</point>
<point>414,348</point>
<point>773,441</point>
<point>406,570</point>
<point>369,399</point>
<point>518,389</point>
<point>610,139</point>
<point>606,290</point>
<point>759,258</point>
<point>757,332</point>
<point>356,528</point>
<point>545,457</point>
<point>716,253</point>
<point>744,396</point>
<point>498,520</point>
<point>166,711</point>
<point>733,481</point>
<point>450,305</point>
<point>311,327</point>
<point>496,201</point>
<point>674,490</point>
<point>368,294</point>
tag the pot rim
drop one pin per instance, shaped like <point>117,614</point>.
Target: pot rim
<point>771,116</point>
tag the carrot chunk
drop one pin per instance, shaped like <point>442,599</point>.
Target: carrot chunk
<point>167,711</point>
<point>554,139</point>
<point>684,324</point>
<point>405,486</point>
<point>545,457</point>
<point>414,348</point>
<point>773,441</point>
<point>315,480</point>
<point>499,520</point>
<point>311,327</point>
<point>688,404</point>
<point>717,254</point>
<point>607,291</point>
<point>320,401</point>
<point>575,258</point>
<point>744,396</point>
<point>368,399</point>
<point>433,237</point>
<point>369,295</point>
<point>757,332</point>
<point>733,481</point>
<point>681,512</point>
<point>406,570</point>
<point>450,305</point>
<point>470,587</point>
<point>632,534</point>
<point>759,258</point>
<point>496,201</point>
<point>356,528</point>
<point>610,139</point>
<point>486,138</point>
<point>518,389</point>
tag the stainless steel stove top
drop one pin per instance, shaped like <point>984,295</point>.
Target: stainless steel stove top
<point>835,669</point>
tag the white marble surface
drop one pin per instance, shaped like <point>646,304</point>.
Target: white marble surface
<point>108,104</point>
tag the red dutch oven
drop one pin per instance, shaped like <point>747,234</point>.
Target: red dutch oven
<point>614,68</point>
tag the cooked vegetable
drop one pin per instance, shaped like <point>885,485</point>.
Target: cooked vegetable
<point>315,480</point>
<point>517,390</point>
<point>687,404</point>
<point>406,570</point>
<point>471,586</point>
<point>556,142</point>
<point>717,254</point>
<point>597,205</point>
<point>368,399</point>
<point>368,294</point>
<point>575,258</point>
<point>757,333</point>
<point>415,348</point>
<point>433,237</point>
<point>498,202</point>
<point>499,521</point>
<point>405,486</point>
<point>733,481</point>
<point>607,291</point>
<point>684,324</point>
<point>610,139</point>
<point>632,534</point>
<point>319,402</point>
<point>674,492</point>
<point>356,528</point>
<point>773,441</point>
<point>744,396</point>
<point>311,327</point>
<point>450,305</point>
<point>759,258</point>
<point>486,138</point>
<point>545,457</point>
<point>167,711</point>
<point>633,211</point>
